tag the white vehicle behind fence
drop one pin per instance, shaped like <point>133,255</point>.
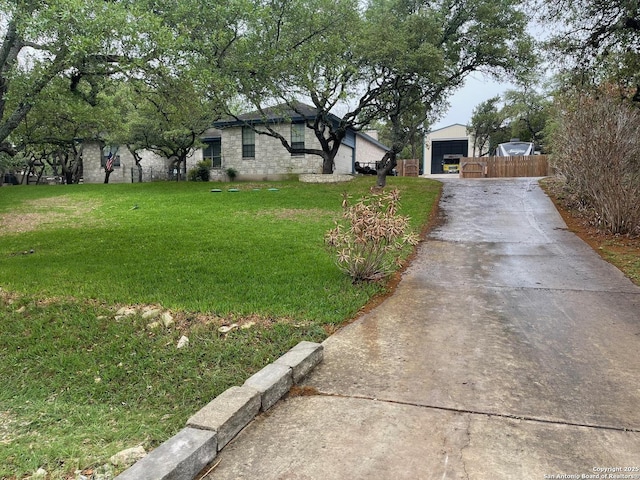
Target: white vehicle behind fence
<point>514,148</point>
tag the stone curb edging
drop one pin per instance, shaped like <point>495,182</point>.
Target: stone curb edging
<point>185,454</point>
<point>325,178</point>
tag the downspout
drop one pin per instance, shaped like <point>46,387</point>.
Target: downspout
<point>353,155</point>
<point>424,155</point>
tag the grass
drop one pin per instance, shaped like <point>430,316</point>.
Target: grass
<point>77,385</point>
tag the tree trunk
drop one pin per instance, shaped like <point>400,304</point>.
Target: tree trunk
<point>174,168</point>
<point>139,172</point>
<point>107,173</point>
<point>386,165</point>
<point>179,165</point>
<point>327,164</point>
<point>40,173</point>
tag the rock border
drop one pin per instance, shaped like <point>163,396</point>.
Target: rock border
<point>325,178</point>
<point>188,452</point>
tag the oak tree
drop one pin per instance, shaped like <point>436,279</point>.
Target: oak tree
<point>74,39</point>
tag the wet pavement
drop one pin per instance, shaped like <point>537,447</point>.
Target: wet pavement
<point>508,351</point>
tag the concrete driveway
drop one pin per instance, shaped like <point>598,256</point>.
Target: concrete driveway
<point>510,350</point>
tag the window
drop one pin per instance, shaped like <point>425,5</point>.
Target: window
<point>110,152</point>
<point>212,152</point>
<point>248,143</point>
<point>297,137</point>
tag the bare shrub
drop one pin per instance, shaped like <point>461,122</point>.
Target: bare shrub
<point>370,233</point>
<point>596,147</point>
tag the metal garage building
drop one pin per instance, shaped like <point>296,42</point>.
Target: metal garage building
<point>444,143</point>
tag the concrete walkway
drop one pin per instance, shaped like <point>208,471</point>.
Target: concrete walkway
<point>510,350</point>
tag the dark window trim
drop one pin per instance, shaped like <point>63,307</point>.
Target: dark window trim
<point>209,153</point>
<point>248,143</point>
<point>297,144</point>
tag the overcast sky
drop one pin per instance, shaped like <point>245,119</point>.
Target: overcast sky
<point>477,89</point>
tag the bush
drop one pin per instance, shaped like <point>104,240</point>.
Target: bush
<point>596,147</point>
<point>232,173</point>
<point>368,241</point>
<point>200,173</point>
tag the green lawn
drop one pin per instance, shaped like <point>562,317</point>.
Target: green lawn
<point>76,385</point>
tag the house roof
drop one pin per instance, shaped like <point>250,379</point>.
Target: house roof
<point>295,111</point>
<point>447,127</point>
<point>211,134</point>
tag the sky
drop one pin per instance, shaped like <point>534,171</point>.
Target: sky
<point>477,89</point>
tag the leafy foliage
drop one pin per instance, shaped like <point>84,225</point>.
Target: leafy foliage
<point>79,40</point>
<point>598,41</point>
<point>368,241</point>
<point>431,48</point>
<point>525,114</point>
<point>200,173</point>
<point>487,121</point>
<point>232,173</point>
<point>390,60</point>
<point>166,114</point>
<point>53,131</point>
<point>527,111</point>
<point>179,64</point>
<point>297,49</point>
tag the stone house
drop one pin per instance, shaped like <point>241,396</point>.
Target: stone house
<point>233,144</point>
<point>262,157</point>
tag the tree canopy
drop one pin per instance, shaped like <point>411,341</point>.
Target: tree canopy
<point>301,50</point>
<point>599,41</point>
<point>487,121</point>
<point>389,60</point>
<point>167,115</point>
<point>53,130</point>
<point>80,40</point>
<point>395,61</point>
<point>523,113</point>
<point>434,47</point>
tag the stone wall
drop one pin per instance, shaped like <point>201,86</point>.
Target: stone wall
<point>154,166</point>
<point>320,178</point>
<point>272,160</point>
<point>368,152</point>
<point>92,172</point>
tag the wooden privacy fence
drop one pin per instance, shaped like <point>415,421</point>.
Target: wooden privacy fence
<point>408,167</point>
<point>492,167</point>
